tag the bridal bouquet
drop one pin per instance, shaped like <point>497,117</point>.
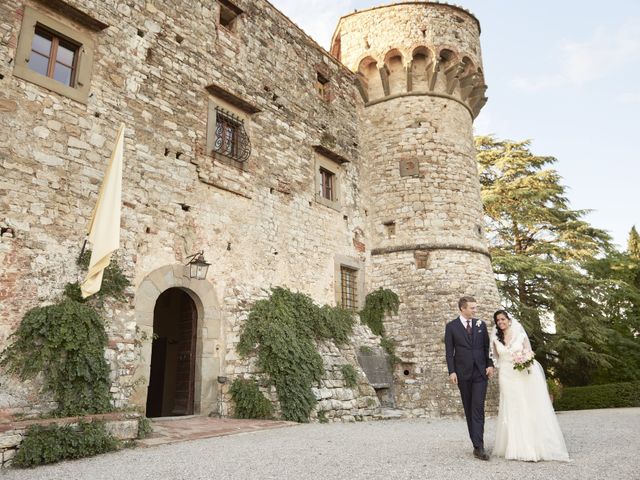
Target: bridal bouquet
<point>522,360</point>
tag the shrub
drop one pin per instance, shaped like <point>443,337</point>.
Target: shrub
<point>249,400</point>
<point>65,342</point>
<point>49,444</point>
<point>377,303</point>
<point>350,375</point>
<point>144,427</point>
<point>281,330</point>
<point>613,395</point>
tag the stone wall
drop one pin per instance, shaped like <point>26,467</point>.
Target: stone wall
<point>425,219</point>
<point>161,67</point>
<point>120,426</point>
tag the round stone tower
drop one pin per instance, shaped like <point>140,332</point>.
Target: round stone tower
<point>420,75</point>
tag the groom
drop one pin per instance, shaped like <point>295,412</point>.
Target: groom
<point>467,348</point>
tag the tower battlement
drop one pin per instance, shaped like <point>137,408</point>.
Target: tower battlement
<point>414,48</point>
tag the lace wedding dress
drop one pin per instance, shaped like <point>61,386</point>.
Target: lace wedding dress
<point>527,427</point>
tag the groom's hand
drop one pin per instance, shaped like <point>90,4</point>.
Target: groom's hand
<point>489,372</point>
<point>453,378</point>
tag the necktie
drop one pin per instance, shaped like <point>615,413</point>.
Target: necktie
<point>468,327</point>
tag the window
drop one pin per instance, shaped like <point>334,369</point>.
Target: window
<point>229,14</point>
<point>349,282</point>
<point>348,288</point>
<point>53,56</point>
<point>322,86</point>
<point>328,176</point>
<point>327,182</point>
<point>57,54</point>
<point>230,137</point>
<point>228,129</point>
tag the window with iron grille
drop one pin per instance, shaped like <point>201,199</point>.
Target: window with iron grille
<point>349,287</point>
<point>230,137</point>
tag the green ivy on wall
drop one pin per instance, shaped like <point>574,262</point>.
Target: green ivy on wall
<point>377,304</point>
<point>281,331</point>
<point>249,400</point>
<point>349,375</point>
<point>65,342</point>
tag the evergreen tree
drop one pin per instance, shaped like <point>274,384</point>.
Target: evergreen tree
<point>617,292</point>
<point>539,245</point>
<point>633,244</point>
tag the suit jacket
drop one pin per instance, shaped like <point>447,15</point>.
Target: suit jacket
<point>464,351</point>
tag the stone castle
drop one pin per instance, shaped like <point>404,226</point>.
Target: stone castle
<point>331,173</point>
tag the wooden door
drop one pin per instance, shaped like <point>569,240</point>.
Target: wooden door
<point>185,361</point>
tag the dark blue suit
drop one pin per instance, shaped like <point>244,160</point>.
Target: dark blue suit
<point>468,357</point>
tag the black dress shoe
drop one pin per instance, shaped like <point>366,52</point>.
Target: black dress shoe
<point>480,453</point>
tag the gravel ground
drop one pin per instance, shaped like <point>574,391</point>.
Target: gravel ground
<point>603,444</point>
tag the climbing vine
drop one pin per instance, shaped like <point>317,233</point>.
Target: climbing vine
<point>65,343</point>
<point>350,375</point>
<point>281,331</point>
<point>249,400</point>
<point>377,304</point>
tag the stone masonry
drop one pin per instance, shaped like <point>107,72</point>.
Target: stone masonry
<point>388,113</point>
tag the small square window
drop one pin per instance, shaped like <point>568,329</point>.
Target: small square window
<point>229,14</point>
<point>349,288</point>
<point>327,184</point>
<point>322,86</point>
<point>328,179</point>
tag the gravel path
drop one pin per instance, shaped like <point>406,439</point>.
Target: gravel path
<point>603,444</point>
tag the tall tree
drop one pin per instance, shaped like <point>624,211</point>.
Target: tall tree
<point>539,244</point>
<point>633,244</point>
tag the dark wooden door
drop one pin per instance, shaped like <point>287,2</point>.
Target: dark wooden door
<point>156,377</point>
<point>185,361</point>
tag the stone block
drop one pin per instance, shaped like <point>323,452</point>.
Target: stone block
<point>123,429</point>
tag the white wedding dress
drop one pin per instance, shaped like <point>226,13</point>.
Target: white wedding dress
<point>527,428</point>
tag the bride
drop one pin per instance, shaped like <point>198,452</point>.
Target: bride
<point>527,427</point>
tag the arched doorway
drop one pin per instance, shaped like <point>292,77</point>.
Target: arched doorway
<point>173,355</point>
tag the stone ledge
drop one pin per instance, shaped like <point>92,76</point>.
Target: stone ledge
<point>123,426</point>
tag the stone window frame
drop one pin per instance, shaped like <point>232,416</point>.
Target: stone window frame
<point>69,31</point>
<point>352,263</point>
<point>331,165</point>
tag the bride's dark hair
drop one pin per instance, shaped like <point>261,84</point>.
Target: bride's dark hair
<point>499,332</point>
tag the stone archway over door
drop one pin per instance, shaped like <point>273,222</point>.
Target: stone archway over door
<point>173,354</point>
<point>208,352</point>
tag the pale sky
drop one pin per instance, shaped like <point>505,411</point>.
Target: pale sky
<point>563,73</point>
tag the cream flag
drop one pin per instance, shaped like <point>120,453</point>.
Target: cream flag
<point>104,227</point>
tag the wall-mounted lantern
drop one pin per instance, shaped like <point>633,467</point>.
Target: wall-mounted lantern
<point>197,266</point>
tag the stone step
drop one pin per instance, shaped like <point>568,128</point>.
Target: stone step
<point>391,413</point>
